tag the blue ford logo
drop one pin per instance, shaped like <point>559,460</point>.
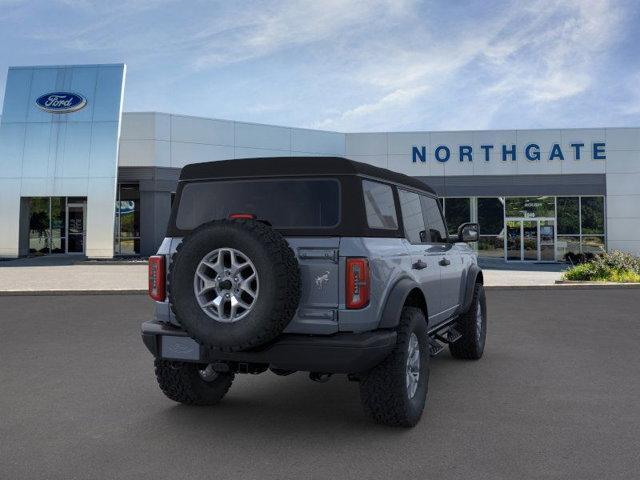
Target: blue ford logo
<point>61,102</point>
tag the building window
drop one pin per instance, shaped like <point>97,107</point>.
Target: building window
<point>593,244</point>
<point>579,222</point>
<point>491,215</point>
<point>57,225</point>
<point>456,211</point>
<point>568,226</point>
<point>491,221</point>
<point>592,215</point>
<point>568,216</point>
<point>530,207</point>
<point>40,225</point>
<point>580,225</point>
<point>127,227</point>
<point>592,219</point>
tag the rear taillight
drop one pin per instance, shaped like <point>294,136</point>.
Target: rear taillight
<point>357,283</point>
<point>156,278</point>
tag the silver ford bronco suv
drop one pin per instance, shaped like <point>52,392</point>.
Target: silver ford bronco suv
<point>319,264</point>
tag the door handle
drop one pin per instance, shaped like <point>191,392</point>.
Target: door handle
<point>444,262</point>
<point>419,265</point>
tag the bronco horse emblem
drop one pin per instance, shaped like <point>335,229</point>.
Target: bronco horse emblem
<point>322,279</point>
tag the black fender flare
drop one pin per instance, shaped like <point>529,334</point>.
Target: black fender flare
<point>395,301</point>
<point>472,276</point>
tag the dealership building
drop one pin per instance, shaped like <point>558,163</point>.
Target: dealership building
<point>80,176</point>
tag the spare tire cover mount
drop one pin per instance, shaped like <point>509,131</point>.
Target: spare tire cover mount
<point>234,284</point>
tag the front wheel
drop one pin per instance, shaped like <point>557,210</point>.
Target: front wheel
<point>473,327</point>
<point>191,383</point>
<point>395,391</point>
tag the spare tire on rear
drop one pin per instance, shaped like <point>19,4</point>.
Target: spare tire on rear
<point>234,284</point>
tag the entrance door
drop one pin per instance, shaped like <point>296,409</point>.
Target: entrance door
<point>513,240</point>
<point>547,240</point>
<point>75,227</point>
<point>530,240</point>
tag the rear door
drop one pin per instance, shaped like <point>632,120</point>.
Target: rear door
<point>445,254</point>
<point>423,263</point>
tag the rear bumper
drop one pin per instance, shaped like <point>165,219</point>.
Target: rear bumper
<point>338,353</point>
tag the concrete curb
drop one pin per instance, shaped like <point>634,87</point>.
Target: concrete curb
<point>111,262</point>
<point>556,286</point>
<point>566,286</point>
<point>586,282</point>
<point>19,293</point>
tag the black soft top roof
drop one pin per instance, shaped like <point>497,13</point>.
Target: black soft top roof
<point>294,166</point>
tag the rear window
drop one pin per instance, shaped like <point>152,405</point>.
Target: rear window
<point>286,204</point>
<point>379,205</point>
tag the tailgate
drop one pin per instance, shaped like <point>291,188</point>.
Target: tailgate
<point>320,285</point>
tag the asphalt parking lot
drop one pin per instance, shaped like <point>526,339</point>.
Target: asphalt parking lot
<point>556,396</point>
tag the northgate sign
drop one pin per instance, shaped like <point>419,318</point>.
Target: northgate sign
<point>531,152</point>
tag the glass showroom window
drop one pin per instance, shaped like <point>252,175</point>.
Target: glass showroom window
<point>491,220</point>
<point>58,224</point>
<point>127,228</point>
<point>40,225</point>
<point>568,226</point>
<point>456,211</point>
<point>531,207</point>
<point>592,223</point>
<point>580,225</point>
<point>47,225</point>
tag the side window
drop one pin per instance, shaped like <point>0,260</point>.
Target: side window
<point>412,217</point>
<point>437,233</point>
<point>379,205</point>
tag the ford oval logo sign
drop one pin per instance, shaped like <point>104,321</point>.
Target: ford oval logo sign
<point>61,102</point>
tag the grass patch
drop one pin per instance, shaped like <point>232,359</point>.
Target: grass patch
<point>609,267</point>
<point>582,272</point>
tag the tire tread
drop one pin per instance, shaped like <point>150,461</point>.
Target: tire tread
<point>181,382</point>
<point>286,272</point>
<point>383,389</point>
<point>467,348</point>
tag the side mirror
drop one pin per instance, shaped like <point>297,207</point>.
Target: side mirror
<point>469,232</point>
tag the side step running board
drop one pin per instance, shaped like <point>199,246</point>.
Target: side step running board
<point>448,336</point>
<point>434,347</point>
<point>440,338</point>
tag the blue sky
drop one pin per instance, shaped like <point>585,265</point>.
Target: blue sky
<point>347,65</point>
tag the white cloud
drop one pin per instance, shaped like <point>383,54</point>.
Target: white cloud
<point>286,24</point>
<point>349,64</point>
<point>534,55</point>
<point>551,56</point>
<point>398,98</point>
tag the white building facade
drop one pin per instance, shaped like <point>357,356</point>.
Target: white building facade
<point>537,194</point>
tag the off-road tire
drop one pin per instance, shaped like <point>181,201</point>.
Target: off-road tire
<point>471,345</point>
<point>278,272</point>
<point>181,382</point>
<point>383,390</point>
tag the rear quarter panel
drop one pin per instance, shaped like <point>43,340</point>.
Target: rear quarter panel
<point>389,261</point>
